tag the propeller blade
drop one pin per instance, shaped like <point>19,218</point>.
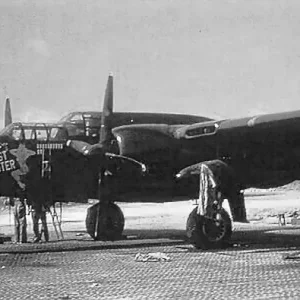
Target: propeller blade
<point>96,149</point>
<point>105,134</point>
<point>131,160</point>
<point>8,115</point>
<point>79,146</point>
<point>85,148</point>
<point>89,150</point>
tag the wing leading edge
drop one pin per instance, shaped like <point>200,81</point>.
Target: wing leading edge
<point>262,123</point>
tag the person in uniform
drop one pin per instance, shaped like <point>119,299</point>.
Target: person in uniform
<point>39,210</point>
<point>19,219</point>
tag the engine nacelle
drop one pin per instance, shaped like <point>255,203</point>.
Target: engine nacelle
<point>141,141</point>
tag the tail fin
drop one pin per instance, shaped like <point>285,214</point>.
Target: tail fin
<point>8,116</point>
<point>107,111</point>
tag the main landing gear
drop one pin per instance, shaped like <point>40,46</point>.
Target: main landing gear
<point>206,233</point>
<point>105,221</point>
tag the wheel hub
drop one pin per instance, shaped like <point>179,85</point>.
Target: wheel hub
<point>214,229</point>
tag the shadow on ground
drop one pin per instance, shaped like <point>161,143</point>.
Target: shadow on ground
<point>244,237</point>
<point>268,237</point>
<point>252,235</point>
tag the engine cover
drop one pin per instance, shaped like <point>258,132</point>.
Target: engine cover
<point>140,141</point>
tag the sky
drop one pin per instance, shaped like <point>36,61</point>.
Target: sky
<point>217,58</point>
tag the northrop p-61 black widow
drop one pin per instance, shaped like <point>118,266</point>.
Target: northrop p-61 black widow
<point>146,157</point>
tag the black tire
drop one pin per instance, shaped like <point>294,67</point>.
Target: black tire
<point>90,221</point>
<point>204,234</point>
<point>105,223</point>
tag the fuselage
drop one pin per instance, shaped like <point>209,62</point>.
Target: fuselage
<point>74,177</point>
<point>260,158</point>
<point>76,122</point>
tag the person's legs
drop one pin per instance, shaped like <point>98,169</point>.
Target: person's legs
<point>23,231</point>
<point>17,224</point>
<point>22,222</point>
<point>35,221</point>
<point>45,227</point>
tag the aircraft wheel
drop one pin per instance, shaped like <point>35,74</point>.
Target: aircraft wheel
<point>105,221</point>
<point>206,233</point>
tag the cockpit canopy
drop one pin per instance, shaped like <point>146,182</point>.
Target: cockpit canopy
<point>80,117</point>
<point>35,131</point>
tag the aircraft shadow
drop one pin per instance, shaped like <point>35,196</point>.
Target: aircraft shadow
<point>273,237</point>
<point>268,237</point>
<point>174,234</point>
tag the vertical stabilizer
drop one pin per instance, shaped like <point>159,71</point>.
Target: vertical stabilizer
<point>8,116</point>
<point>105,134</point>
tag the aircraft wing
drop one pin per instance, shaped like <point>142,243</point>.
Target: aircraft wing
<point>134,140</point>
<point>261,124</point>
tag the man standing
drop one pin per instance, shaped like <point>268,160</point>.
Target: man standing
<point>19,219</point>
<point>39,210</point>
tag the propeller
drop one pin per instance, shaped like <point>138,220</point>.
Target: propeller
<point>105,132</point>
<point>88,149</point>
<point>85,148</point>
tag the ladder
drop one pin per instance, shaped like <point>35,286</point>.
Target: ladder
<point>56,222</point>
<point>46,162</point>
<point>46,170</point>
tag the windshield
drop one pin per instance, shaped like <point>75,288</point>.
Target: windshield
<point>72,117</point>
<point>40,132</point>
<point>66,118</point>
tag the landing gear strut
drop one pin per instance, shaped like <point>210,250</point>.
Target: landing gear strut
<point>105,221</point>
<point>205,233</point>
